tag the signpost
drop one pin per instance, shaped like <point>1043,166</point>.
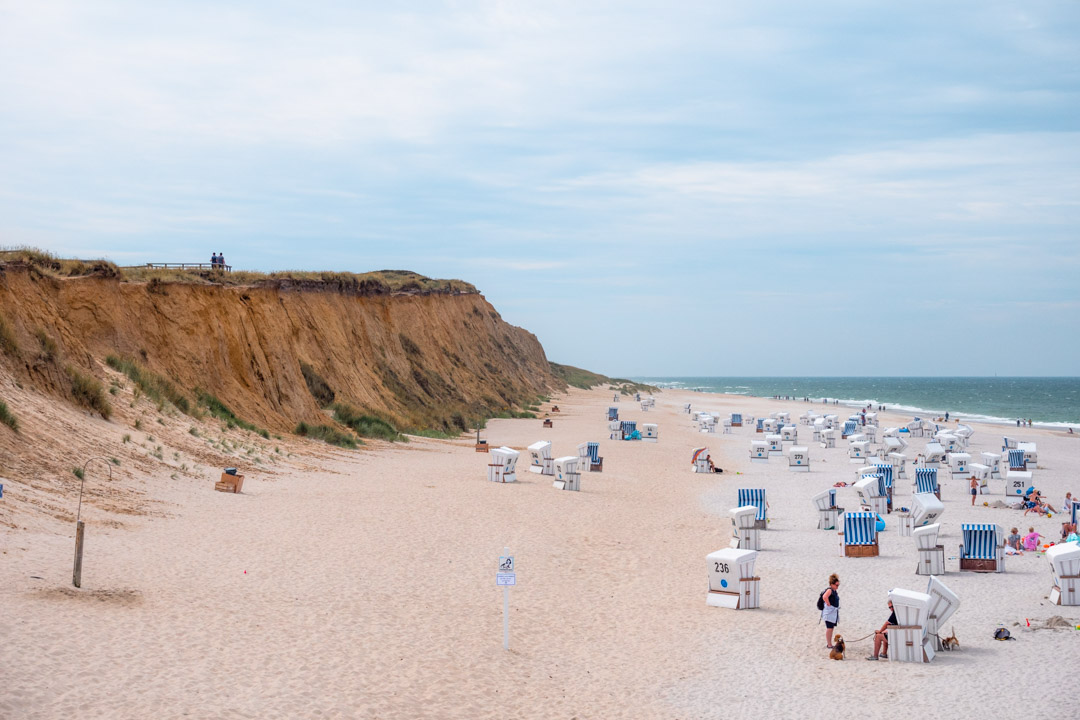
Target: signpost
<point>505,577</point>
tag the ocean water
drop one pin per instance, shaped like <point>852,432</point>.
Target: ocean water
<point>1048,401</point>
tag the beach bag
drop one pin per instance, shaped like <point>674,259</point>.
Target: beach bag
<point>1002,634</point>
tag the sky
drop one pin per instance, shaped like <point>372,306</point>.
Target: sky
<point>681,188</point>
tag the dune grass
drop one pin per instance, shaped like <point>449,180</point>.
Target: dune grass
<point>366,425</point>
<point>7,417</point>
<point>8,344</point>
<point>222,412</point>
<point>326,433</point>
<point>87,391</point>
<point>154,386</point>
<point>317,386</point>
<point>49,264</point>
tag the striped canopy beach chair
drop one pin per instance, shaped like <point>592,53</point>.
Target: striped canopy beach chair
<point>595,461</point>
<point>736,419</point>
<point>926,481</point>
<point>589,459</point>
<point>885,470</point>
<point>983,549</point>
<point>859,537</point>
<point>755,497</point>
<point>613,413</point>
<point>850,428</point>
<point>1017,461</point>
<point>629,430</point>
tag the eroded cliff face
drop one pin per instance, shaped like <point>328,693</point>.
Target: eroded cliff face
<point>437,360</point>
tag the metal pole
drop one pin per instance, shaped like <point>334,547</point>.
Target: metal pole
<point>506,609</point>
<point>76,574</point>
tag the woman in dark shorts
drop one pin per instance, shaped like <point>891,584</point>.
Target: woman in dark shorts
<point>831,612</point>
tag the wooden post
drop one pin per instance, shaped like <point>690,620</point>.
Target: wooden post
<point>77,574</point>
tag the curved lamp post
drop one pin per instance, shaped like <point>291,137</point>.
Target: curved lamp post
<point>76,575</point>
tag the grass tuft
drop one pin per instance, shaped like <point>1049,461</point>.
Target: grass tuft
<point>327,434</point>
<point>222,412</point>
<point>365,425</point>
<point>8,344</point>
<point>88,392</point>
<point>7,417</point>
<point>154,386</point>
<point>318,387</point>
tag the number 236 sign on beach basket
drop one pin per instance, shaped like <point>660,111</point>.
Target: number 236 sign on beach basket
<point>731,579</point>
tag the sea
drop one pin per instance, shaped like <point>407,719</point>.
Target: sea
<point>1047,401</point>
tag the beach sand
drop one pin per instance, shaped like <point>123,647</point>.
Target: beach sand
<point>362,584</point>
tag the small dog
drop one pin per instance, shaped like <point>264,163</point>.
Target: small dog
<point>837,652</point>
<point>951,643</point>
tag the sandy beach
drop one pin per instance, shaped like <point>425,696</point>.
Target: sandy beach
<point>362,584</point>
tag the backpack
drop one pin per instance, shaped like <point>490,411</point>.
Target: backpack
<point>1002,634</point>
<point>821,601</point>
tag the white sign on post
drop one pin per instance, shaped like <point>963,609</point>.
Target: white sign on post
<point>505,577</point>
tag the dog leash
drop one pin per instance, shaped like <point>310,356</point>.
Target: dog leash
<point>872,635</point>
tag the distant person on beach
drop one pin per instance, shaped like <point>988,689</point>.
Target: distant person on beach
<point>213,260</point>
<point>1017,422</point>
<point>830,611</point>
<point>946,417</point>
<point>881,639</point>
<point>974,490</point>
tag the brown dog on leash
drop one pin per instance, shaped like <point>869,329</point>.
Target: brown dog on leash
<point>837,652</point>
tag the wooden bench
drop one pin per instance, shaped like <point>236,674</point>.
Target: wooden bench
<point>229,483</point>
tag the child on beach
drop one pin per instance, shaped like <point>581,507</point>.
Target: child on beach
<point>1013,540</point>
<point>1031,540</point>
<point>974,489</point>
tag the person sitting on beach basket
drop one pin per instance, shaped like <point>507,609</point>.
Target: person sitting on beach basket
<point>881,639</point>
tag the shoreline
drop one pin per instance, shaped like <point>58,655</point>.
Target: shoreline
<point>900,408</point>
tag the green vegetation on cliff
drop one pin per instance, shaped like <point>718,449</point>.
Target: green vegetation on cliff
<point>587,380</point>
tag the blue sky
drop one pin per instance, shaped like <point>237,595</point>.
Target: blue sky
<point>827,188</point>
